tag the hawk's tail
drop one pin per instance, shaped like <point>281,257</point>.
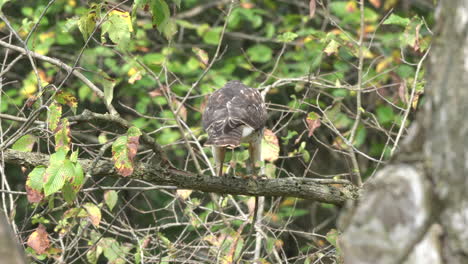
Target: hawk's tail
<point>230,139</point>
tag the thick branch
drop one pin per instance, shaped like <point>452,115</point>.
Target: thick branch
<point>156,174</point>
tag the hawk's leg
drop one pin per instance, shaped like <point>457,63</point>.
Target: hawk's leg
<point>218,155</point>
<point>255,153</point>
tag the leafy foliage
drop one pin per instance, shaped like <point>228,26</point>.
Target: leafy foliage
<point>333,90</point>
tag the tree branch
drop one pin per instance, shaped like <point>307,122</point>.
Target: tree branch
<point>305,188</point>
<point>62,65</point>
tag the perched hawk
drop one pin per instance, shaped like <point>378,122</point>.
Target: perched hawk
<point>235,114</point>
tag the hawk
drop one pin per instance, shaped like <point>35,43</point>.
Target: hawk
<point>235,114</point>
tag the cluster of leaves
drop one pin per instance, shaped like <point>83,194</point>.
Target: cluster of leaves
<point>161,59</point>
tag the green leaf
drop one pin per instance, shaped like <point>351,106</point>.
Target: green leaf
<point>212,36</point>
<point>70,24</point>
<point>62,136</point>
<point>161,14</point>
<point>79,175</point>
<point>54,114</point>
<point>287,37</point>
<point>259,53</point>
<point>68,193</point>
<point>108,84</point>
<point>58,157</point>
<point>385,114</point>
<point>361,135</point>
<point>2,2</point>
<point>396,20</point>
<point>74,156</point>
<point>87,23</point>
<point>119,27</point>
<point>411,35</point>
<point>112,250</point>
<point>332,237</point>
<point>110,197</point>
<point>24,143</point>
<point>35,178</point>
<point>338,119</point>
<point>56,175</point>
<point>134,132</point>
<point>170,29</point>
<point>93,254</point>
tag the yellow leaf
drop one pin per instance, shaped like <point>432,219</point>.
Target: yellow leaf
<point>351,6</point>
<point>125,16</point>
<point>94,213</point>
<point>270,146</point>
<point>132,71</point>
<point>184,194</point>
<point>332,47</point>
<point>47,35</point>
<point>383,64</point>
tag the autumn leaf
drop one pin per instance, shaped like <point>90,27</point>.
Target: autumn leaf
<point>55,112</point>
<point>68,99</point>
<point>332,47</point>
<point>94,213</point>
<point>313,122</point>
<point>312,6</point>
<point>270,146</point>
<point>375,3</point>
<point>202,55</point>
<point>351,6</point>
<point>24,143</point>
<point>38,240</point>
<point>62,135</point>
<point>34,196</point>
<point>124,150</point>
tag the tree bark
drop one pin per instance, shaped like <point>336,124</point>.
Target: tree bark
<point>10,252</point>
<point>416,209</point>
<point>313,189</point>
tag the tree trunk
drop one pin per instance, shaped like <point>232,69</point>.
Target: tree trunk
<point>10,252</point>
<point>416,209</point>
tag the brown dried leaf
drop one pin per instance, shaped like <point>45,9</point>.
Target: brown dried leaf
<point>38,240</point>
<point>34,196</point>
<point>313,122</point>
<point>155,92</point>
<point>247,5</point>
<point>312,6</point>
<point>402,91</point>
<point>375,3</point>
<point>251,204</point>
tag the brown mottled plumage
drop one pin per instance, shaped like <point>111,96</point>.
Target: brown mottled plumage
<point>234,114</point>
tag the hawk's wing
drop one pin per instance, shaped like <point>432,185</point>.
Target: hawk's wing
<point>230,110</point>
